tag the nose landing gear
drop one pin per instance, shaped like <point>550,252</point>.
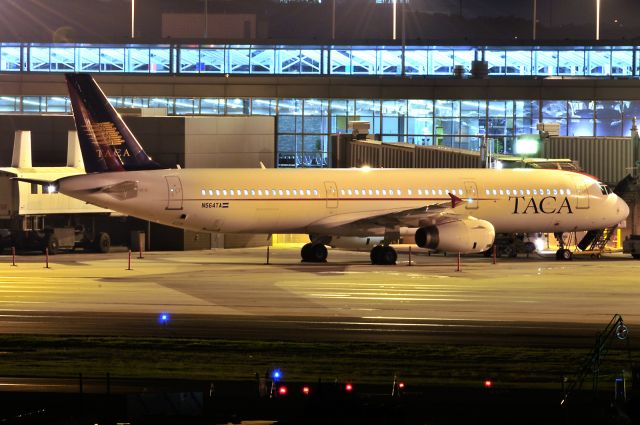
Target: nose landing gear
<point>562,254</point>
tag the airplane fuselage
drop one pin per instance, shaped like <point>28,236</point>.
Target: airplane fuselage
<point>325,201</point>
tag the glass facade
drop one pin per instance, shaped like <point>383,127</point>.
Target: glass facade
<point>303,126</point>
<point>591,61</point>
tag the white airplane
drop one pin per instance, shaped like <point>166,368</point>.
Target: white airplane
<point>454,210</point>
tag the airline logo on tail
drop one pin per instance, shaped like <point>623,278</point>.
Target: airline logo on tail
<point>109,140</point>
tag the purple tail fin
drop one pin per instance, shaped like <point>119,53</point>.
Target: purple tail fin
<point>106,142</point>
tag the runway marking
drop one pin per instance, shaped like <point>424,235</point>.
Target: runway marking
<point>352,297</point>
<point>429,318</point>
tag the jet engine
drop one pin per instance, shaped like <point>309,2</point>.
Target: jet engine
<point>465,236</point>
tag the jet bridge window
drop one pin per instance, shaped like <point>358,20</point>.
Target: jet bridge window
<point>34,188</point>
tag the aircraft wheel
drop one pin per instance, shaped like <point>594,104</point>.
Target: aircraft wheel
<point>314,253</point>
<point>564,255</point>
<point>529,247</point>
<point>388,255</point>
<point>376,254</point>
<point>319,253</point>
<point>305,252</point>
<point>102,243</point>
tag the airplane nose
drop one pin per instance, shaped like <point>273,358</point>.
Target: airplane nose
<point>622,208</point>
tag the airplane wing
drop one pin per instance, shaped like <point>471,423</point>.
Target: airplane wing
<point>414,217</point>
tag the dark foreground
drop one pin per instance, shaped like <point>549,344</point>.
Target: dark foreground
<point>106,401</point>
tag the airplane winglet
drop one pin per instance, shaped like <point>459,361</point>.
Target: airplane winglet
<point>454,200</point>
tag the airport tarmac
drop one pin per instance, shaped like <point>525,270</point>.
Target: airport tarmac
<point>234,294</point>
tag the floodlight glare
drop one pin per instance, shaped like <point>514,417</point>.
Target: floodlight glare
<point>526,146</point>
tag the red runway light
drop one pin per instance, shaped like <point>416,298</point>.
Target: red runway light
<point>401,385</point>
<point>348,387</point>
<point>488,384</point>
<point>282,390</point>
<point>306,390</point>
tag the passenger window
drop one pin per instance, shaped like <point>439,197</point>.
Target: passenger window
<point>568,191</point>
<point>287,192</point>
<point>315,192</point>
<point>342,192</point>
<point>419,191</point>
<point>399,192</point>
<point>561,191</point>
<point>439,191</point>
<point>377,192</point>
<point>555,191</point>
<point>528,192</point>
<point>349,192</point>
<point>224,192</point>
<point>370,192</point>
<point>548,191</point>
<point>357,191</point>
<point>508,191</point>
<point>409,192</point>
<point>231,192</point>
<point>384,192</point>
<point>253,192</point>
<point>495,192</point>
<point>501,192</point>
<point>308,192</point>
<point>390,191</point>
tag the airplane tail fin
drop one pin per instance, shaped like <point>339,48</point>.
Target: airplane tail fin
<point>106,142</point>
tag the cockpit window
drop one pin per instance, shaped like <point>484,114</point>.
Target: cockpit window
<point>606,190</point>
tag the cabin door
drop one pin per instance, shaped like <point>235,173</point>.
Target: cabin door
<point>332,194</point>
<point>582,198</point>
<point>174,188</point>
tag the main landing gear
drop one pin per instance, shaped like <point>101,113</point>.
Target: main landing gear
<point>314,253</point>
<point>383,255</point>
<point>562,254</point>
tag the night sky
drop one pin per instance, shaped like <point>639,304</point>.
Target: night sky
<point>474,20</point>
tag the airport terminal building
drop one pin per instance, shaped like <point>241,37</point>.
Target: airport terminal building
<point>422,95</point>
